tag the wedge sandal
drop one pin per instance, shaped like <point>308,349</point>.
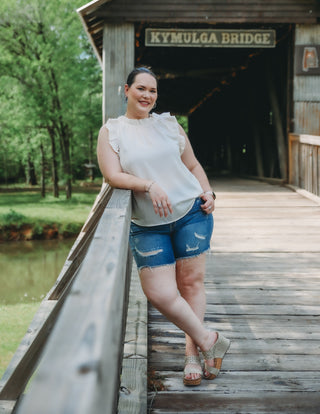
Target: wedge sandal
<point>194,360</point>
<point>216,352</point>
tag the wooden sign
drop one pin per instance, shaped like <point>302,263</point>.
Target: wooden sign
<point>209,38</point>
<point>307,60</point>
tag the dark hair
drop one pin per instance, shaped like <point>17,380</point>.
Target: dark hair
<point>136,71</point>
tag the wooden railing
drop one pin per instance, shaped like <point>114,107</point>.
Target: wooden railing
<point>304,162</point>
<point>79,369</point>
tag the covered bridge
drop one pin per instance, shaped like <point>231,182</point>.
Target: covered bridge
<point>246,73</point>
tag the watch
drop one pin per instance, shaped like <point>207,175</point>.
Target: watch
<point>212,193</point>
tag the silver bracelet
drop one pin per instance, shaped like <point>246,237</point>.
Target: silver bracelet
<point>149,186</point>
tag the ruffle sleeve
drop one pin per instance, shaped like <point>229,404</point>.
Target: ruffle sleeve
<point>112,126</point>
<point>171,123</point>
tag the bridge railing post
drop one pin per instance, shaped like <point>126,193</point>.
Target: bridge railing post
<point>304,162</point>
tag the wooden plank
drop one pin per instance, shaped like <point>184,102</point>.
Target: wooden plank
<point>236,402</point>
<point>265,302</point>
<point>7,407</point>
<point>168,360</point>
<point>250,381</point>
<point>253,346</point>
<point>118,61</point>
<point>136,337</point>
<point>299,328</point>
<point>133,387</point>
<point>25,358</point>
<point>79,369</point>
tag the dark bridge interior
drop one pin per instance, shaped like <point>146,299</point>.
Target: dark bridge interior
<point>237,99</point>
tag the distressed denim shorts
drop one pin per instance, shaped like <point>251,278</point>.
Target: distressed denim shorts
<point>164,244</point>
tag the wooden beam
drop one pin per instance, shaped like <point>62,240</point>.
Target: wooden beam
<point>118,61</point>
<point>133,389</point>
<point>79,369</point>
<point>280,138</point>
<point>26,357</point>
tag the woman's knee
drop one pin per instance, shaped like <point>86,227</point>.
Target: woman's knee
<point>190,278</point>
<point>162,299</point>
<point>159,286</point>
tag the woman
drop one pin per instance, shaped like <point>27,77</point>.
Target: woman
<point>172,223</point>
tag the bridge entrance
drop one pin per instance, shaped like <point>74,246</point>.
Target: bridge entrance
<point>237,99</point>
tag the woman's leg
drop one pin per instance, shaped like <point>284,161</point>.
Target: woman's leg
<point>160,286</point>
<point>190,282</point>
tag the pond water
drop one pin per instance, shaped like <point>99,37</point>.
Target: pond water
<point>28,270</point>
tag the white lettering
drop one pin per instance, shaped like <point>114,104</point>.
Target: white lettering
<point>204,37</point>
<point>187,37</point>
<point>225,38</point>
<point>234,38</point>
<point>258,38</point>
<point>176,37</point>
<point>216,37</point>
<point>195,39</point>
<point>266,38</point>
<point>248,38</point>
<point>165,36</point>
<point>155,37</point>
<point>213,38</point>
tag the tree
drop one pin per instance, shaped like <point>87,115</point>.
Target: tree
<point>41,52</point>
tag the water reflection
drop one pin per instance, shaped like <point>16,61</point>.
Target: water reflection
<point>29,269</point>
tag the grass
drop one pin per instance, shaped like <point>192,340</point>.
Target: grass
<point>50,209</point>
<point>14,320</point>
<point>18,208</point>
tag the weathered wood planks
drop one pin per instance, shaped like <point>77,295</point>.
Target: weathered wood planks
<point>304,161</point>
<point>263,290</point>
<point>133,387</point>
<point>79,369</point>
<point>26,357</point>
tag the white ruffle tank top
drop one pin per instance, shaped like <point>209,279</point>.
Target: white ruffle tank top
<point>151,148</point>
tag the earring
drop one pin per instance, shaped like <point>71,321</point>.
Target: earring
<point>155,105</point>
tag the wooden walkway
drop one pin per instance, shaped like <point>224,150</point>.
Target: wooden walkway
<point>263,292</point>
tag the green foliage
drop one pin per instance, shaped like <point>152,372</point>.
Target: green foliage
<point>50,91</point>
<point>13,218</point>
<point>34,217</point>
<point>14,320</point>
<point>183,121</point>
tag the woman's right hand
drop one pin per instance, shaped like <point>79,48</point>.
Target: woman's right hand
<point>160,201</point>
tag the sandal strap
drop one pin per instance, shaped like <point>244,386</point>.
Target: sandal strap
<point>192,359</point>
<point>218,349</point>
<point>212,370</point>
<point>195,360</point>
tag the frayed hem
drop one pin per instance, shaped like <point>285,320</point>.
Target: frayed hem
<point>156,266</point>
<point>194,255</point>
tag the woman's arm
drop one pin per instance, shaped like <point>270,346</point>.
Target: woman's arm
<point>191,162</point>
<point>110,167</point>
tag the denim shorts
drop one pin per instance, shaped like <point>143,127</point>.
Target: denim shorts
<point>164,244</point>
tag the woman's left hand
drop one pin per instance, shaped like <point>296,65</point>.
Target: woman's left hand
<point>209,203</point>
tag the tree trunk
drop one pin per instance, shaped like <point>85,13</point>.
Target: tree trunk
<point>64,138</point>
<point>30,173</point>
<point>91,168</point>
<point>43,172</point>
<point>65,151</point>
<point>55,179</point>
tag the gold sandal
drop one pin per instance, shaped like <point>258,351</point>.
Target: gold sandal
<point>216,352</point>
<point>195,360</point>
